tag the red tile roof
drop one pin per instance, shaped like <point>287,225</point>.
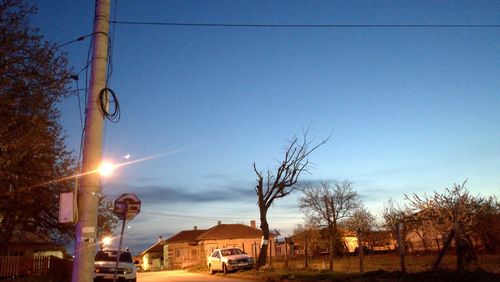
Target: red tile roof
<point>230,231</point>
<point>185,236</point>
<point>156,248</point>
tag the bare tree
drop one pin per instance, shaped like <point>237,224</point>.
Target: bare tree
<point>277,185</point>
<point>393,215</point>
<point>306,235</point>
<point>400,221</point>
<point>329,205</point>
<point>362,222</point>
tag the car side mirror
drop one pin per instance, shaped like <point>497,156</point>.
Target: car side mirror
<point>136,262</point>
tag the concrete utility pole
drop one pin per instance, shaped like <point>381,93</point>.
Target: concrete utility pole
<point>90,184</point>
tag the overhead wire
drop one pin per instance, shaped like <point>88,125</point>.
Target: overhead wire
<point>307,25</point>
<point>212,218</point>
<point>81,38</point>
<point>82,135</point>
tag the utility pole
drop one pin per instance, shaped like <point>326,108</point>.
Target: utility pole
<point>90,184</point>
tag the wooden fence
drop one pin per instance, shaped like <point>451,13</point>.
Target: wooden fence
<point>13,266</point>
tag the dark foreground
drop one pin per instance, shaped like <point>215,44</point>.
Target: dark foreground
<point>442,275</point>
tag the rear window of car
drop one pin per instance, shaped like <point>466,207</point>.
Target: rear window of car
<point>231,252</point>
<point>111,256</point>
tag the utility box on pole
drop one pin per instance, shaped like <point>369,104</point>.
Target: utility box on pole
<point>66,207</point>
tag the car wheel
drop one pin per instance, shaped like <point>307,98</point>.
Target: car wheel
<point>224,268</point>
<point>210,269</point>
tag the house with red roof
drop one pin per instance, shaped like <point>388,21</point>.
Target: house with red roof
<point>190,247</point>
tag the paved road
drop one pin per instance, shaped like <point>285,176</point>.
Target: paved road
<point>183,276</point>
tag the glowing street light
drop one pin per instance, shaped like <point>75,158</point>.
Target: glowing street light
<point>106,241</point>
<point>106,168</point>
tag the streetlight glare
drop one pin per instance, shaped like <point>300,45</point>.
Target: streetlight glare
<point>106,168</point>
<point>106,241</point>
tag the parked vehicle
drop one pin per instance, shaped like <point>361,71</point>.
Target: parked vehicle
<point>105,263</point>
<point>229,259</point>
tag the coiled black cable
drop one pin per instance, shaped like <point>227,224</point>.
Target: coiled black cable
<point>107,97</point>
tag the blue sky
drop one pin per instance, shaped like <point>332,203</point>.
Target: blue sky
<point>412,110</point>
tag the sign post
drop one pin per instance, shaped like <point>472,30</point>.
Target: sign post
<point>127,206</point>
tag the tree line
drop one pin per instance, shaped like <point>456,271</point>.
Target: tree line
<point>455,217</point>
<point>35,164</point>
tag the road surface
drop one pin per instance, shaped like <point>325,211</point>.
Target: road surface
<point>184,276</point>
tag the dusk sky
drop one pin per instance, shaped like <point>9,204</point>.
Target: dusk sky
<point>412,110</point>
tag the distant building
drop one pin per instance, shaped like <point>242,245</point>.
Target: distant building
<point>373,241</point>
<point>152,257</point>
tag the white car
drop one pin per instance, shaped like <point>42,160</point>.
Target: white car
<point>105,263</point>
<point>229,259</point>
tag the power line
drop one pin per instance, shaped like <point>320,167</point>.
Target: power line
<point>213,217</point>
<point>81,38</point>
<point>309,25</point>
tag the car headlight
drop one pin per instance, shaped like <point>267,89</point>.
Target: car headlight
<point>127,270</point>
<point>230,261</point>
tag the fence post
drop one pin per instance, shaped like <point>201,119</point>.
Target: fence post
<point>401,248</point>
<point>361,249</point>
<point>270,253</point>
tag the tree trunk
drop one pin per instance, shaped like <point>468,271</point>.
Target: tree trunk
<point>271,254</point>
<point>443,250</point>
<point>264,226</point>
<point>306,253</point>
<point>460,248</point>
<point>286,254</point>
<point>330,245</point>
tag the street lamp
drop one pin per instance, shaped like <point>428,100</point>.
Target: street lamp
<point>106,168</point>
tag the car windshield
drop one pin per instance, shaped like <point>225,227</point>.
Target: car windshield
<point>111,256</point>
<point>230,252</point>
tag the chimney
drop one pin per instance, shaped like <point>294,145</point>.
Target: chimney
<point>195,227</point>
<point>252,224</point>
<point>219,222</point>
<point>159,238</point>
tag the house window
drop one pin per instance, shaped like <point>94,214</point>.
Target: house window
<point>180,253</point>
<point>194,253</point>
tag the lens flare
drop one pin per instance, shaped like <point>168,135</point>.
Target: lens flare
<point>106,241</point>
<point>106,168</point>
